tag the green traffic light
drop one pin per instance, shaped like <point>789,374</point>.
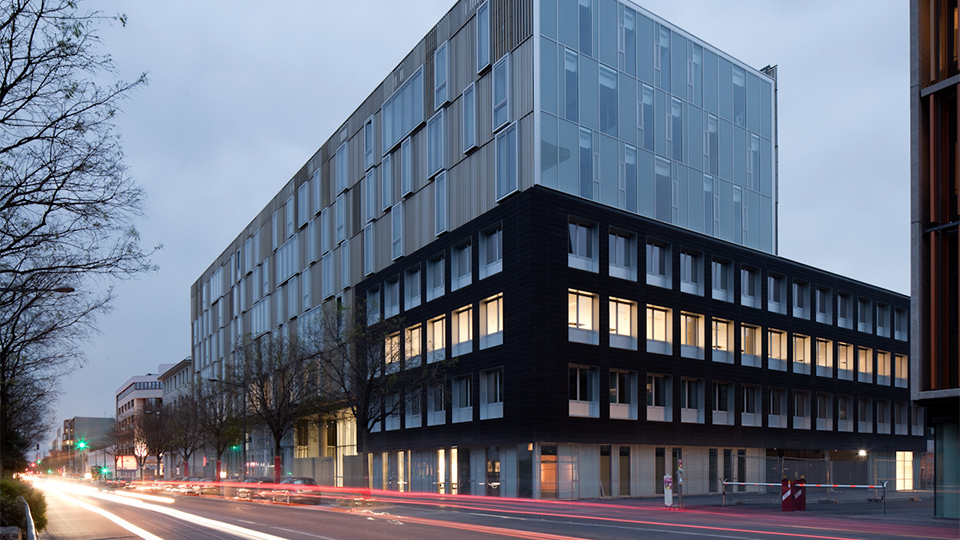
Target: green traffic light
<point>81,444</point>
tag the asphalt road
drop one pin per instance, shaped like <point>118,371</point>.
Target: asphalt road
<point>87,514</point>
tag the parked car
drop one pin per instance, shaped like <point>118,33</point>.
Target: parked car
<point>250,488</point>
<point>298,489</point>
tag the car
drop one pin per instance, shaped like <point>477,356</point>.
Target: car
<point>299,489</point>
<point>250,488</point>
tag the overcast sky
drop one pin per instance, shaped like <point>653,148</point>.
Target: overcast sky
<point>240,96</point>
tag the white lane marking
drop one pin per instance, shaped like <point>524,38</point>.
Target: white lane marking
<point>301,533</point>
<point>116,519</point>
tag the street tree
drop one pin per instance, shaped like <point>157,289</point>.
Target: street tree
<point>67,202</point>
<point>281,378</point>
<point>186,437</point>
<point>218,417</point>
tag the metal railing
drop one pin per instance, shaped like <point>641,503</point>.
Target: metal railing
<point>31,528</point>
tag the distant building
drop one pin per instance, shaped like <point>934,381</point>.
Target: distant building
<point>577,201</point>
<point>176,383</point>
<point>141,393</point>
<point>82,436</point>
<point>935,228</point>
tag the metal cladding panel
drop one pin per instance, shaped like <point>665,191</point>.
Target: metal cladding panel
<point>521,79</point>
<point>511,22</point>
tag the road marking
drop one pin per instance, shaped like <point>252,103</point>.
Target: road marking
<point>301,533</point>
<point>114,518</point>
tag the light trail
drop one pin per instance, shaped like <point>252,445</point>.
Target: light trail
<point>112,517</point>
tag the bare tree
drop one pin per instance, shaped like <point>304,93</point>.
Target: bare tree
<point>217,417</point>
<point>363,370</point>
<point>66,199</point>
<point>156,433</point>
<point>186,437</point>
<point>281,379</point>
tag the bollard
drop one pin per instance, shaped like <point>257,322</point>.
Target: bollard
<point>786,496</point>
<point>800,495</point>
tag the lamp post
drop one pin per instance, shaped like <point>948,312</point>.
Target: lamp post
<point>243,448</point>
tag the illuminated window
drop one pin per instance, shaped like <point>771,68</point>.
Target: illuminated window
<point>845,362</point>
<point>801,354</point>
<point>659,336</point>
<point>750,345</point>
<point>436,339</point>
<point>461,331</point>
<point>412,345</point>
<point>777,350</point>
<point>722,335</point>
<point>884,368</point>
<point>491,321</point>
<point>824,357</point>
<point>391,353</point>
<point>864,365</point>
<point>623,327</point>
<point>582,317</point>
<point>900,371</point>
<point>691,335</point>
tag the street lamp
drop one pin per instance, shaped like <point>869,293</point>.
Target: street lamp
<point>243,448</point>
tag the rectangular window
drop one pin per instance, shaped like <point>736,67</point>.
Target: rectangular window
<point>865,315</point>
<point>658,330</point>
<point>412,345</point>
<point>411,288</point>
<point>723,412</point>
<point>406,167</point>
<point>396,231</point>
<point>844,310</point>
<point>777,418</point>
<point>582,249</point>
<point>402,111</point>
<point>845,416</point>
<point>368,138</point>
<point>440,68</point>
<point>750,414</point>
<point>883,368</point>
<point>691,401</point>
<point>623,255</point>
<point>608,101</point>
<point>659,398</point>
<point>658,265</point>
<point>507,168</point>
<point>436,339</point>
<point>391,353</point>
<point>900,370</point>
<point>435,278</point>
<point>436,405</point>
<point>801,410</point>
<point>386,183</point>
<point>342,165</point>
<point>483,36</point>
<point>412,406</point>
<point>864,415</point>
<point>777,350</point>
<point>328,275</point>
<point>370,194</point>
<point>460,267</point>
<point>883,416</point>
<point>824,357</point>
<point>440,203</point>
<point>582,316</point>
<point>801,300</point>
<point>722,336</point>
<point>776,294</point>
<point>491,251</point>
<point>436,143</point>
<point>469,120</point>
<point>623,328</point>
<point>317,191</point>
<point>391,304</point>
<point>491,322</point>
<point>691,273</point>
<point>289,211</point>
<point>883,320</point>
<point>750,345</point>
<point>340,209</point>
<point>372,306</point>
<point>864,365</point>
<point>749,287</point>
<point>824,301</point>
<point>584,392</point>
<point>369,246</point>
<point>462,331</point>
<point>845,361</point>
<point>345,280</point>
<point>801,354</point>
<point>491,394</point>
<point>462,399</point>
<point>303,205</point>
<point>900,324</point>
<point>623,395</point>
<point>501,92</point>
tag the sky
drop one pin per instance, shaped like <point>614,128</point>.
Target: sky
<point>239,97</point>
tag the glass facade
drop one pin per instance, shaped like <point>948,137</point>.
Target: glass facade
<point>638,115</point>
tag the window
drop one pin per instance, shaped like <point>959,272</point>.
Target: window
<point>462,331</point>
<point>844,310</point>
<point>391,353</point>
<point>440,203</point>
<point>801,299</point>
<point>824,305</point>
<point>659,336</point>
<point>777,350</point>
<point>776,294</point>
<point>623,395</point>
<point>659,398</point>
<point>584,392</point>
<point>411,288</point>
<point>303,205</point>
<point>435,145</point>
<point>801,410</point>
<point>777,418</point>
<point>691,401</point>
<point>436,405</point>
<point>491,251</point>
<point>750,345</point>
<point>864,415</point>
<point>340,211</point>
<point>412,406</point>
<point>722,280</point>
<point>691,335</point>
<point>368,133</point>
<point>392,411</point>
<point>345,280</point>
<point>406,167</point>
<point>440,68</point>
<point>750,415</point>
<point>801,354</point>
<point>402,111</point>
<point>623,255</point>
<point>289,210</point>
<point>370,193</point>
<point>865,315</point>
<point>501,92</point>
<point>883,368</point>
<point>412,345</point>
<point>386,183</point>
<point>369,246</point>
<point>582,317</point>
<point>917,420</point>
<point>900,370</point>
<point>723,403</point>
<point>469,114</point>
<point>460,267</point>
<point>691,273</point>
<point>317,192</point>
<point>391,305</point>
<point>623,327</point>
<point>462,399</point>
<point>373,305</point>
<point>900,423</point>
<point>342,164</point>
<point>491,394</point>
<point>328,275</point>
<point>436,339</point>
<point>582,243</point>
<point>483,36</point>
<point>722,336</point>
<point>824,357</point>
<point>749,287</point>
<point>883,416</point>
<point>845,413</point>
<point>864,365</point>
<point>900,324</point>
<point>658,265</point>
<point>491,322</point>
<point>883,320</point>
<point>396,231</point>
<point>435,277</point>
<point>507,162</point>
<point>845,361</point>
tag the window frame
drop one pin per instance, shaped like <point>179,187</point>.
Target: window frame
<point>500,69</point>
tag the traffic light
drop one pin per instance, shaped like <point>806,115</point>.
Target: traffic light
<point>104,471</point>
<point>81,444</point>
